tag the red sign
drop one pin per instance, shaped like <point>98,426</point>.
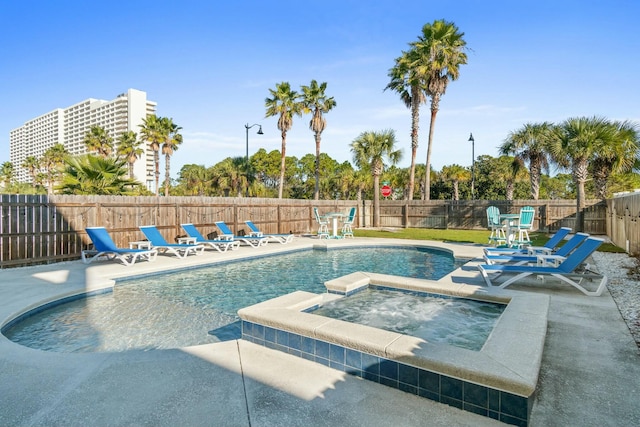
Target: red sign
<point>385,191</point>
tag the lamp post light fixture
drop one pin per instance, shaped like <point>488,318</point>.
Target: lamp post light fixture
<point>247,127</point>
<point>473,166</point>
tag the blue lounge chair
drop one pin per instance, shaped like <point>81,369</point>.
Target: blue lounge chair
<point>180,250</point>
<point>104,246</point>
<point>556,257</point>
<point>280,238</point>
<point>221,245</point>
<point>549,246</point>
<point>565,271</point>
<point>253,241</point>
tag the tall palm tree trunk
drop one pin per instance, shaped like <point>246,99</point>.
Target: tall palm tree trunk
<point>580,173</point>
<point>427,178</point>
<point>510,190</point>
<point>415,120</point>
<point>316,192</point>
<point>156,161</point>
<point>600,179</point>
<point>534,178</point>
<point>282,164</point>
<point>167,174</point>
<point>376,200</point>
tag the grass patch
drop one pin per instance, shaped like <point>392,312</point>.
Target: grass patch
<point>459,236</point>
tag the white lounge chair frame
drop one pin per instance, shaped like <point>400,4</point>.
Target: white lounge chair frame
<point>181,250</point>
<point>520,258</point>
<point>221,245</point>
<point>548,247</point>
<point>253,241</point>
<point>254,231</point>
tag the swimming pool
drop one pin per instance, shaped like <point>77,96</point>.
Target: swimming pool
<point>200,305</point>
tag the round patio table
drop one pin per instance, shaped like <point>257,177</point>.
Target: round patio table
<point>334,217</point>
<point>511,221</point>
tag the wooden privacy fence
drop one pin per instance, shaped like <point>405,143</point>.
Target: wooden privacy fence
<point>41,229</point>
<point>38,229</point>
<point>550,214</point>
<point>623,221</point>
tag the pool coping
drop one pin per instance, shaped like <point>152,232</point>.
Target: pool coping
<point>509,361</point>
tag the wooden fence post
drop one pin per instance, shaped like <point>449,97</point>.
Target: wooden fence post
<point>279,222</point>
<point>405,215</point>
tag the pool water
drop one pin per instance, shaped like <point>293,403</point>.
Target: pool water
<point>199,306</point>
<point>460,322</point>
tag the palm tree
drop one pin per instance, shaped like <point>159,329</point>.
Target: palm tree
<point>129,149</point>
<point>362,181</point>
<point>616,155</point>
<point>316,101</point>
<point>230,176</point>
<point>406,81</point>
<point>576,143</point>
<point>530,143</point>
<point>6,173</point>
<point>89,174</point>
<point>437,57</point>
<point>455,174</point>
<point>98,140</point>
<point>171,140</point>
<point>32,165</point>
<point>345,180</point>
<point>195,179</point>
<point>52,160</point>
<point>372,149</point>
<point>284,102</point>
<point>150,132</point>
<point>515,172</point>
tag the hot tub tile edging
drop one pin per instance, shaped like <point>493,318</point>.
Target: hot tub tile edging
<point>500,405</point>
<point>490,383</point>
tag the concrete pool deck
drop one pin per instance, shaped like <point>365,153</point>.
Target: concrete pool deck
<point>590,373</point>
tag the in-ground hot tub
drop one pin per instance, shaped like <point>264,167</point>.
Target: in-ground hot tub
<point>498,381</point>
<point>435,318</point>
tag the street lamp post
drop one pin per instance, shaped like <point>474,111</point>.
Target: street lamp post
<point>247,127</point>
<point>473,166</point>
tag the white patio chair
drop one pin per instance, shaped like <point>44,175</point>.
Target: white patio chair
<point>347,229</point>
<point>323,225</point>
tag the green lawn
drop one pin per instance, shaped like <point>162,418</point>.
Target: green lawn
<point>462,236</point>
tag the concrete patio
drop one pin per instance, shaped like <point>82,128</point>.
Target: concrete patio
<point>590,373</point>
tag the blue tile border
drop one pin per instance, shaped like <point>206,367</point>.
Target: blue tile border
<point>486,401</point>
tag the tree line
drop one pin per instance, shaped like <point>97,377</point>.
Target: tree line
<point>521,171</point>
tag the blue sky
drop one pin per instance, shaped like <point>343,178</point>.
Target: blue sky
<point>210,64</point>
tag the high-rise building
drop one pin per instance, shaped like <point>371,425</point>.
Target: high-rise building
<point>70,125</point>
